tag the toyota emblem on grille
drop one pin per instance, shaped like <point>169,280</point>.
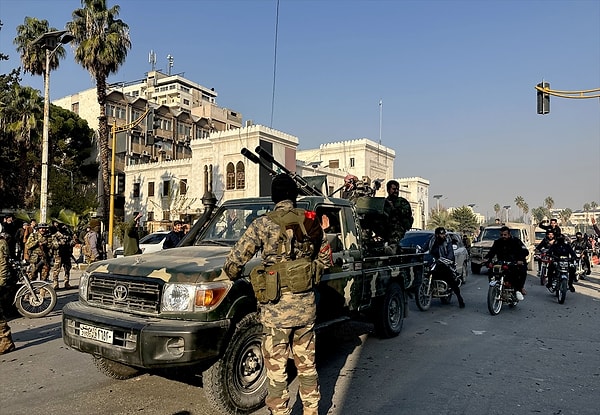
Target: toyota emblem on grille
<point>120,292</point>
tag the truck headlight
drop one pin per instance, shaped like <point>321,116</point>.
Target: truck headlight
<point>83,286</point>
<point>193,297</point>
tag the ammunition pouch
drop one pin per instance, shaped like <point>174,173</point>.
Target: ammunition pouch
<point>296,276</point>
<point>265,284</point>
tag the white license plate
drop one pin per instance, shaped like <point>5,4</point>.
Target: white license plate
<point>96,333</point>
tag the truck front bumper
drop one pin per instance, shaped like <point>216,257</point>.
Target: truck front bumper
<point>140,341</point>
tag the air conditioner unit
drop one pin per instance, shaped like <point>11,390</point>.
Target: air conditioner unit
<point>167,157</point>
<point>249,123</point>
<point>145,153</point>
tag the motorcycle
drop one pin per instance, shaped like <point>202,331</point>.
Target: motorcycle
<point>33,299</point>
<point>433,288</point>
<point>560,280</point>
<point>545,261</point>
<point>580,270</point>
<point>500,290</point>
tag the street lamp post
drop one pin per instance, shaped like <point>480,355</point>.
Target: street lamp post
<point>66,170</point>
<point>50,41</point>
<point>437,198</point>
<point>507,208</point>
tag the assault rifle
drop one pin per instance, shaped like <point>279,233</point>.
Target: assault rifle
<point>266,161</point>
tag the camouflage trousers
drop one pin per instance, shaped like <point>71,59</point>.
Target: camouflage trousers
<point>61,263</point>
<point>41,266</point>
<point>276,347</point>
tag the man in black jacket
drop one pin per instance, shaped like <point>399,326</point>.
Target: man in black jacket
<point>441,247</point>
<point>174,236</point>
<point>508,248</point>
<point>553,225</point>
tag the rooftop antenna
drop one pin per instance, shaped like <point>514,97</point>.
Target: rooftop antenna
<point>170,65</point>
<point>152,59</point>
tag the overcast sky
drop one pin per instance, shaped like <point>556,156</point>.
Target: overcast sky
<point>456,79</point>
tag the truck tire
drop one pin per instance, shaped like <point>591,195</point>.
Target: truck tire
<point>476,268</point>
<point>114,369</point>
<point>237,382</point>
<point>389,312</point>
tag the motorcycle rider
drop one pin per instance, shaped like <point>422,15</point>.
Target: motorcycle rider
<point>508,248</point>
<point>582,244</point>
<point>546,243</point>
<point>558,249</point>
<point>441,247</point>
<point>553,225</point>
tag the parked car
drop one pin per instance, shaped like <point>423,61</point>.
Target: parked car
<point>152,242</point>
<point>421,238</point>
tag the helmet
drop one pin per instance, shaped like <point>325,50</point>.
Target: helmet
<point>42,226</point>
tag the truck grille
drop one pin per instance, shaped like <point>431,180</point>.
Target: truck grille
<point>124,294</point>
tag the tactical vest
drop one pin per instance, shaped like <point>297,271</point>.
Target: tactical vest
<point>295,275</point>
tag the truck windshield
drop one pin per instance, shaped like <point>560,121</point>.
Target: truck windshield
<point>493,234</point>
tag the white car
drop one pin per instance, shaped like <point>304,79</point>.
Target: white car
<point>152,242</point>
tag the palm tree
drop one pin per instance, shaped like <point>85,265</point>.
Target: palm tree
<point>102,42</point>
<point>549,202</point>
<point>441,218</point>
<point>33,56</point>
<point>538,213</point>
<point>519,201</point>
<point>525,208</point>
<point>565,215</point>
<point>497,210</point>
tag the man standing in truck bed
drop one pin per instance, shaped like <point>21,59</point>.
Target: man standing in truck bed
<point>293,246</point>
<point>399,213</point>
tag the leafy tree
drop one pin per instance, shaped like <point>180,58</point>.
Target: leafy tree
<point>593,205</point>
<point>539,213</point>
<point>549,203</point>
<point>465,219</point>
<point>519,201</point>
<point>102,42</point>
<point>441,218</point>
<point>565,215</point>
<point>525,208</point>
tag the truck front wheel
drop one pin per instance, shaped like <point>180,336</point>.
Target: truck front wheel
<point>389,312</point>
<point>114,369</point>
<point>237,382</point>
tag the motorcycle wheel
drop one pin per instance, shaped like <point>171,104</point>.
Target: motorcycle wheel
<point>38,304</point>
<point>561,293</point>
<point>424,295</point>
<point>543,276</point>
<point>494,302</point>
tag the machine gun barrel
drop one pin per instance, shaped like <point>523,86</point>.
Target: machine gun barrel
<point>254,158</point>
<point>303,185</point>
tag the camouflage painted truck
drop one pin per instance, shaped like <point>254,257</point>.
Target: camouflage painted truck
<point>174,308</point>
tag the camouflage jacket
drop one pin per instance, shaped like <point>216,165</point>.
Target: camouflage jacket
<point>400,218</point>
<point>62,244</point>
<point>4,266</point>
<point>292,310</point>
<point>38,246</point>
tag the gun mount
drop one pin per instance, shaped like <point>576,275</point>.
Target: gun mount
<point>266,161</point>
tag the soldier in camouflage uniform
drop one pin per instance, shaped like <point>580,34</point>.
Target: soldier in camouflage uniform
<point>62,246</point>
<point>38,247</point>
<point>288,321</point>
<point>399,213</point>
<point>6,342</point>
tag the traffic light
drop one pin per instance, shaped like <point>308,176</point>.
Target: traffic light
<point>543,99</point>
<point>152,122</point>
<point>120,183</point>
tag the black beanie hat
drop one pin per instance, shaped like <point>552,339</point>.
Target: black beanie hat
<point>283,188</point>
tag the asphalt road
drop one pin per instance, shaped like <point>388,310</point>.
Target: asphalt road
<point>539,357</point>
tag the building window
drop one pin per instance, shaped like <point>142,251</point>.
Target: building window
<point>240,176</point>
<point>334,164</point>
<point>166,188</point>
<point>183,186</point>
<point>136,190</point>
<point>352,164</point>
<point>150,188</point>
<point>75,107</point>
<point>186,101</point>
<point>150,216</point>
<point>166,215</point>
<point>230,181</point>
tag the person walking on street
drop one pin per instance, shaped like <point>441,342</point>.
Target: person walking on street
<point>6,342</point>
<point>173,237</point>
<point>62,245</point>
<point>90,245</point>
<point>131,238</point>
<point>38,247</point>
<point>292,242</point>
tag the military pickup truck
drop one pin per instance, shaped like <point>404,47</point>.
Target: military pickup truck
<point>174,308</point>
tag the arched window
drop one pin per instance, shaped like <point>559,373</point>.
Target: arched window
<point>230,182</point>
<point>240,176</point>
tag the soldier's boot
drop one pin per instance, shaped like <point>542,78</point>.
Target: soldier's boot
<point>67,285</point>
<point>55,282</point>
<point>6,343</point>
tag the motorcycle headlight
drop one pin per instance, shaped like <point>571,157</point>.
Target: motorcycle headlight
<point>179,297</point>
